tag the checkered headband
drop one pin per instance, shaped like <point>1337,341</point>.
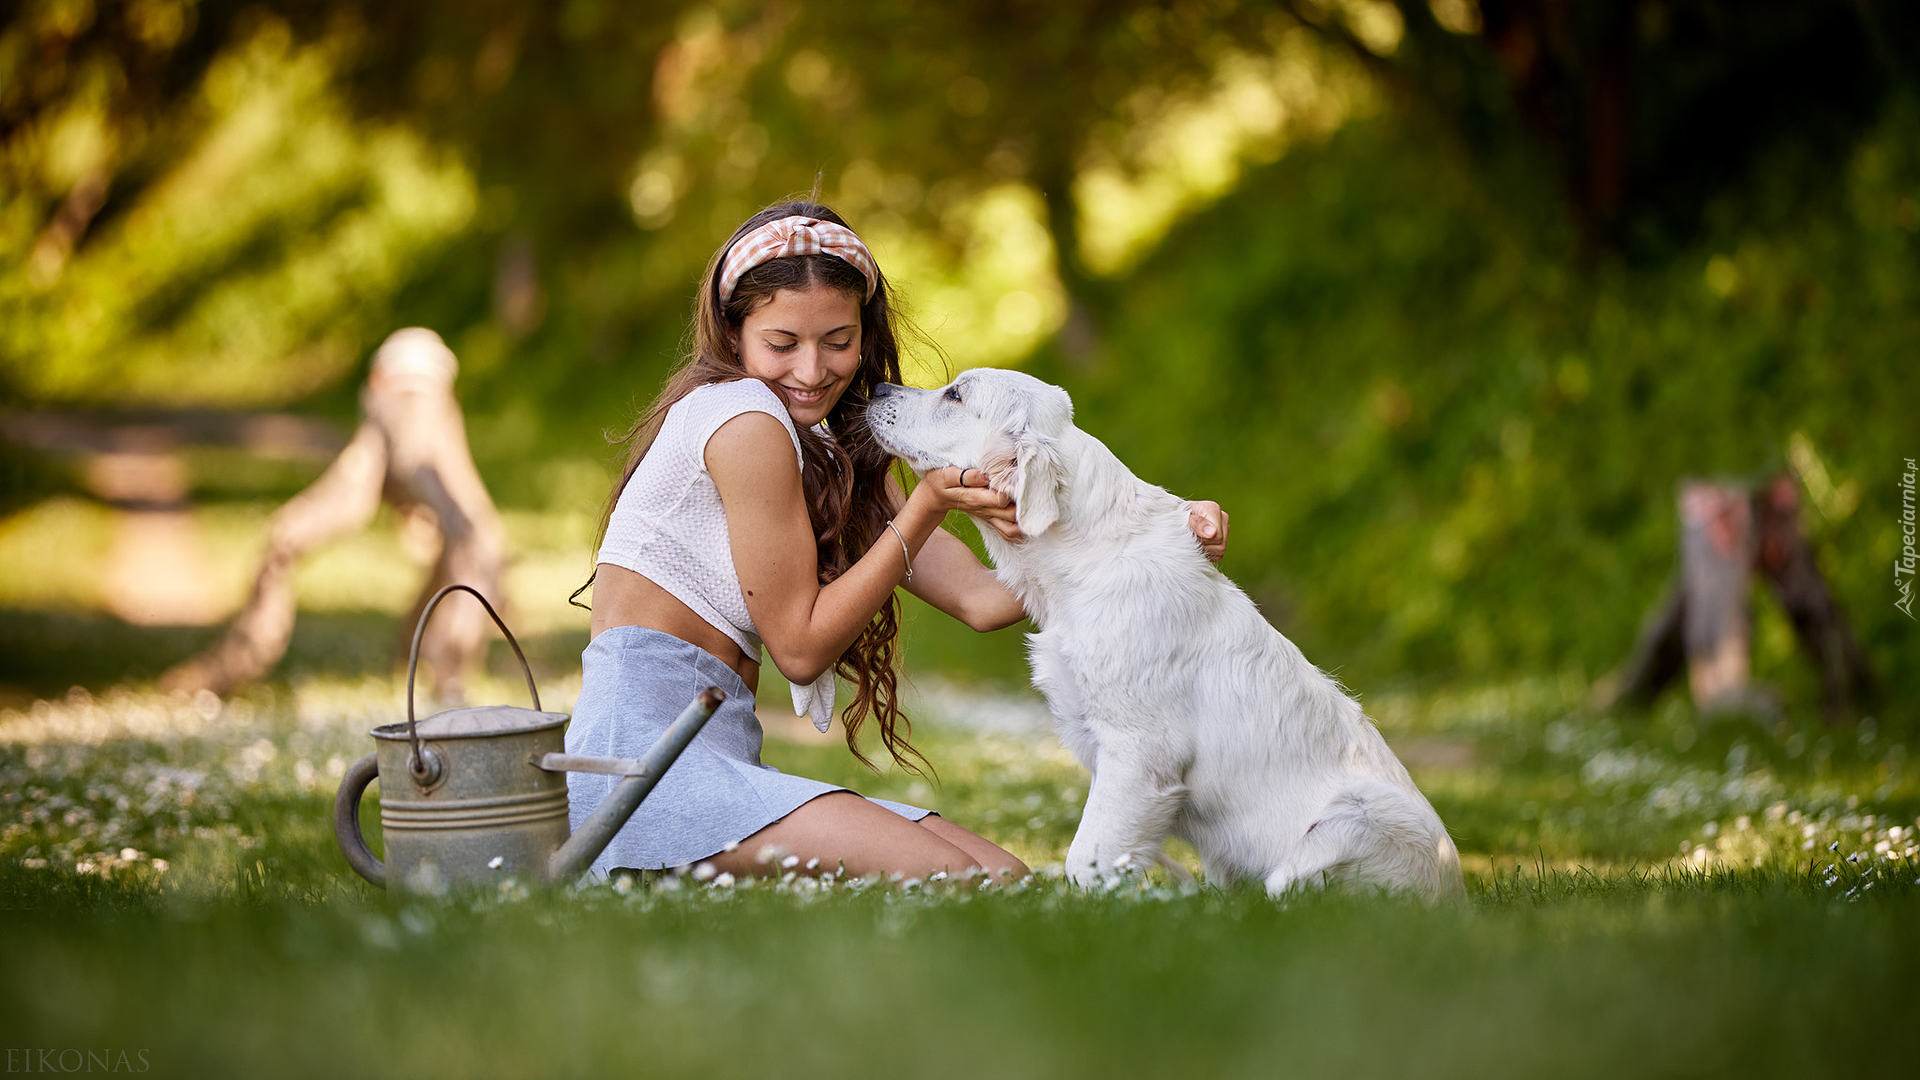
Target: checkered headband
<point>795,236</point>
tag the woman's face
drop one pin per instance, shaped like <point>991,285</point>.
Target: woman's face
<point>806,342</point>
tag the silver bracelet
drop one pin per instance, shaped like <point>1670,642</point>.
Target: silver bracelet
<point>903,547</point>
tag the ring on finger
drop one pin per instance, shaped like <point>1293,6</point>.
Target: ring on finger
<point>963,475</point>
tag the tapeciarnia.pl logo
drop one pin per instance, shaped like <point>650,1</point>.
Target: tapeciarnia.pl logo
<point>1903,565</point>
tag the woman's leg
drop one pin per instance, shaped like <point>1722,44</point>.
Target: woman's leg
<point>997,861</point>
<point>843,829</point>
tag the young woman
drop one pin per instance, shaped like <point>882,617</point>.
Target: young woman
<point>753,511</point>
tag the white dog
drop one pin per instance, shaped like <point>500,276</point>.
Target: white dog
<point>1196,718</point>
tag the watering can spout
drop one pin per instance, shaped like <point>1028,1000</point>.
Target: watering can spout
<point>640,776</point>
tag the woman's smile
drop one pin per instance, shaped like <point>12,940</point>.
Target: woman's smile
<point>801,396</point>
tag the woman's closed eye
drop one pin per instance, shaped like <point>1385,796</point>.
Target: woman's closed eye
<point>789,346</point>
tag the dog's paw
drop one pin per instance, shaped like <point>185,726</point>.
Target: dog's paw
<point>1083,868</point>
<point>1088,870</point>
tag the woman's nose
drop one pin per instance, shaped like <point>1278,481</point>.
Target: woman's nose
<point>807,365</point>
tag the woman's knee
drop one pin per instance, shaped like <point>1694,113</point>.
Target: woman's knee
<point>991,857</point>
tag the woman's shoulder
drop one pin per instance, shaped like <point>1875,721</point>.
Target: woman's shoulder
<point>739,395</point>
<point>706,408</point>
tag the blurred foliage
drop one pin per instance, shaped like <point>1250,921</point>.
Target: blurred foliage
<point>1645,110</point>
<point>217,201</point>
<point>1448,452</point>
<point>214,202</point>
<point>1440,297</point>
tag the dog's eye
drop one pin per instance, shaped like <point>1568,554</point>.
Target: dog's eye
<point>952,394</point>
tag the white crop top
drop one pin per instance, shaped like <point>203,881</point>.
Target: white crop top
<point>670,527</point>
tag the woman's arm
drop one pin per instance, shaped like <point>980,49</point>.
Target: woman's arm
<point>948,576</point>
<point>807,627</point>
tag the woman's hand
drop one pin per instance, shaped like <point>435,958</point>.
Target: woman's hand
<point>949,576</point>
<point>1209,525</point>
<point>966,490</point>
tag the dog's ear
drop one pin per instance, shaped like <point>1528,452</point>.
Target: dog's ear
<point>1036,484</point>
<point>1027,466</point>
<point>1027,469</point>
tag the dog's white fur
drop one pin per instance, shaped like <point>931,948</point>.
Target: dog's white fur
<point>1196,718</point>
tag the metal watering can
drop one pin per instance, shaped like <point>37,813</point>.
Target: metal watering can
<point>475,795</point>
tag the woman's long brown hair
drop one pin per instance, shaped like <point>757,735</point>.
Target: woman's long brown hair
<point>844,477</point>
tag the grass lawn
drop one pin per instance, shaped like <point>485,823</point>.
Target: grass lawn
<point>1648,896</point>
<point>1648,893</point>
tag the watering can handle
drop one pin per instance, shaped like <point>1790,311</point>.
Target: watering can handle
<point>417,761</point>
<point>346,820</point>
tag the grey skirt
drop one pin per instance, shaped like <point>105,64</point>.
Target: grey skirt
<point>634,681</point>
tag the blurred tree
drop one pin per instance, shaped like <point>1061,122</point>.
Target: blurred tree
<point>410,450</point>
<point>1011,91</point>
<point>1645,108</point>
<point>685,116</point>
<point>682,117</point>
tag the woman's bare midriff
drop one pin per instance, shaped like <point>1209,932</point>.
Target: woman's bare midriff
<point>624,598</point>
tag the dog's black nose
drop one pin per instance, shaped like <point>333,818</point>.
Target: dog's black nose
<point>885,389</point>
